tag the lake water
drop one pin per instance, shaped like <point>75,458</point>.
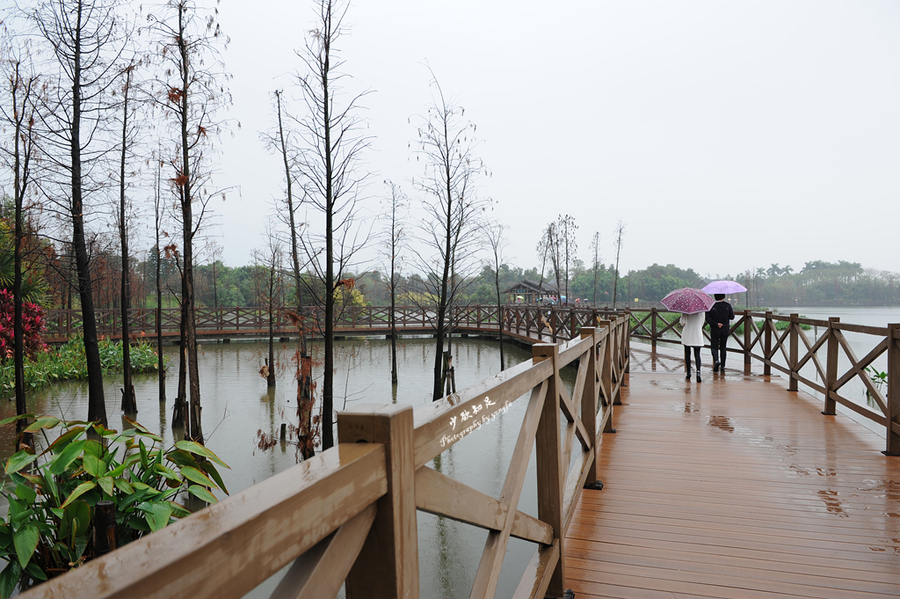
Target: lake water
<point>236,405</point>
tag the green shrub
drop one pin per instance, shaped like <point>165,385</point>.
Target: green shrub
<point>67,362</point>
<point>53,494</point>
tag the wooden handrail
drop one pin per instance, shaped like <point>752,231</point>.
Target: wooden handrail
<point>350,512</point>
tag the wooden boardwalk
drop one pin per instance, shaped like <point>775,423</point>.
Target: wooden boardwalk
<point>734,488</point>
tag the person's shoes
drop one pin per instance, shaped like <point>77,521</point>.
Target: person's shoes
<point>687,377</point>
<point>716,367</point>
<point>699,380</point>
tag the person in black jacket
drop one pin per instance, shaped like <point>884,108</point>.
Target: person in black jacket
<point>719,317</point>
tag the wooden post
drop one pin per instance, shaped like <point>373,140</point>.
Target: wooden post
<point>831,366</point>
<point>793,356</point>
<point>748,329</point>
<point>104,528</point>
<point>573,323</point>
<point>590,399</point>
<point>626,344</point>
<point>653,329</point>
<point>550,473</point>
<point>893,390</point>
<point>768,325</point>
<point>606,373</point>
<point>388,564</point>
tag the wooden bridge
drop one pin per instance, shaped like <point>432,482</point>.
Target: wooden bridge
<point>740,486</point>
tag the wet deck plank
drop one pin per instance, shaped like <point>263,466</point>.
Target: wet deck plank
<point>735,488</point>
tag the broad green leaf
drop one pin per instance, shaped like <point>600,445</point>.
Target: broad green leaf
<point>179,511</point>
<point>210,469</point>
<point>157,514</point>
<point>9,578</point>
<point>194,475</point>
<point>93,447</point>
<point>93,465</point>
<point>167,472</point>
<point>50,485</point>
<point>66,457</point>
<point>35,572</point>
<point>107,484</point>
<point>19,460</point>
<point>12,419</point>
<point>198,449</point>
<point>103,431</point>
<point>42,422</point>
<point>203,493</point>
<point>124,486</point>
<point>136,425</point>
<point>26,494</point>
<point>117,471</point>
<point>58,512</point>
<point>26,541</point>
<point>79,491</point>
<point>135,497</point>
<point>145,459</point>
<point>34,479</point>
<point>64,438</point>
<point>182,458</point>
<point>79,515</point>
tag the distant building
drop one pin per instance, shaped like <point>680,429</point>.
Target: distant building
<point>529,292</point>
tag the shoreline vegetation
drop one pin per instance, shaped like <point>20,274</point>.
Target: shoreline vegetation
<point>67,363</point>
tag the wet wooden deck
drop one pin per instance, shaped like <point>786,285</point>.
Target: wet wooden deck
<point>735,488</point>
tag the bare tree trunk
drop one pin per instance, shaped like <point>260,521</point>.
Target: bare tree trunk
<point>160,364</point>
<point>129,402</point>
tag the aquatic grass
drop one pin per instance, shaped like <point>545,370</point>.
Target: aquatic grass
<point>67,362</point>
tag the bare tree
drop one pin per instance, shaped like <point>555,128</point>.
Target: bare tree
<point>568,247</point>
<point>86,45</point>
<point>454,212</point>
<point>595,263</point>
<point>280,141</point>
<point>267,276</point>
<point>497,244</point>
<point>18,112</point>
<point>619,234</point>
<point>160,253</point>
<point>332,144</point>
<point>548,247</point>
<point>395,238</point>
<point>190,91</point>
<point>129,135</point>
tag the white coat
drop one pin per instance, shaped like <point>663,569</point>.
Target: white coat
<point>692,334</point>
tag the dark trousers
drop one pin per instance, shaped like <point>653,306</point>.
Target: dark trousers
<point>718,338</point>
<point>687,359</point>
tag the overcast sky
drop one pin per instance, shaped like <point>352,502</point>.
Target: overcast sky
<point>726,135</point>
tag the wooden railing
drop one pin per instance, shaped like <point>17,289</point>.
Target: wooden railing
<point>553,323</point>
<point>830,358</point>
<point>349,514</point>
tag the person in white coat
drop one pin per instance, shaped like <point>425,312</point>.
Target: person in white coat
<point>692,339</point>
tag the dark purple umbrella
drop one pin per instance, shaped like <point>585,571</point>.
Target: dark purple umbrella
<point>725,287</point>
<point>688,301</point>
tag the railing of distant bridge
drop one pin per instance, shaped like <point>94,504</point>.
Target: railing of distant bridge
<point>555,324</point>
<point>825,364</point>
<point>349,514</point>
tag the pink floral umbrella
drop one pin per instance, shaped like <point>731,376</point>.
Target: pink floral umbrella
<point>688,301</point>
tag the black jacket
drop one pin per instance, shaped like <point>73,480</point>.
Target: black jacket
<point>721,312</point>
